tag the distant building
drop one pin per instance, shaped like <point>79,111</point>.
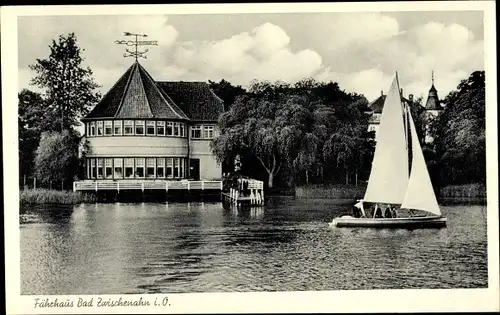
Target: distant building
<point>433,108</point>
<point>143,129</point>
<point>375,110</point>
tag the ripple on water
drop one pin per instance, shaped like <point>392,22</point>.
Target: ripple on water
<point>155,248</point>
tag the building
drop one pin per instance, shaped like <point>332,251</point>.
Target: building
<point>433,108</point>
<point>375,110</point>
<point>147,130</point>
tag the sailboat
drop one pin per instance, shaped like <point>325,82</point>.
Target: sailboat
<point>399,181</point>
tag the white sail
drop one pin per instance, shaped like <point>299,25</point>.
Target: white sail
<point>420,194</point>
<point>390,168</point>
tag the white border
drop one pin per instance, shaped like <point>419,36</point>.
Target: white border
<point>324,301</point>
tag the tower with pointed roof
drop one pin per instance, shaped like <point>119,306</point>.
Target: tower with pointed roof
<point>432,108</point>
<point>143,129</point>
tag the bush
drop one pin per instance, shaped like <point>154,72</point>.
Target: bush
<point>330,191</point>
<point>45,196</point>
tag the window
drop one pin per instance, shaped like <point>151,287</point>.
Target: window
<point>118,127</point>
<point>139,127</point>
<point>150,128</point>
<point>129,127</point>
<point>170,128</point>
<point>108,171</point>
<point>208,132</point>
<point>150,167</point>
<point>160,167</point>
<point>118,165</point>
<point>99,128</point>
<point>169,167</point>
<point>139,167</point>
<point>196,132</point>
<point>182,130</point>
<point>176,167</point>
<point>108,128</point>
<point>92,129</point>
<point>87,164</point>
<point>99,168</point>
<point>92,168</point>
<point>129,168</point>
<point>160,128</point>
<point>176,129</point>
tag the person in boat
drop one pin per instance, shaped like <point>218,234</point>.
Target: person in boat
<point>393,212</point>
<point>378,211</point>
<point>356,212</point>
<point>388,212</point>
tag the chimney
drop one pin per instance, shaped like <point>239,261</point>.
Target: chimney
<point>381,92</point>
<point>410,97</point>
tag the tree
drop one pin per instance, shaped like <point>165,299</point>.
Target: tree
<point>226,91</point>
<point>69,87</point>
<point>31,123</point>
<point>459,133</point>
<point>57,156</point>
<point>287,128</point>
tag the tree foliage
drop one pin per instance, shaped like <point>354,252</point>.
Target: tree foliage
<point>299,129</point>
<point>69,86</point>
<point>68,94</point>
<point>459,132</point>
<point>226,91</point>
<point>57,156</point>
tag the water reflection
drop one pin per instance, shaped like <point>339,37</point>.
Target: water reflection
<point>203,246</point>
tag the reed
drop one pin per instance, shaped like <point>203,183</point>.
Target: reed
<point>330,191</point>
<point>472,191</point>
<point>46,196</point>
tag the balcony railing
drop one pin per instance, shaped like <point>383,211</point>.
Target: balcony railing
<point>166,185</point>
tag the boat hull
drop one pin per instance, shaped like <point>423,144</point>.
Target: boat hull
<point>394,223</point>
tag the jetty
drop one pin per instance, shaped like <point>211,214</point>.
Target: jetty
<point>245,191</point>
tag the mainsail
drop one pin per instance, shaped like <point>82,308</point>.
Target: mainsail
<point>420,194</point>
<point>390,168</point>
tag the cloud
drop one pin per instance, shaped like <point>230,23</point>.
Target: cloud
<point>355,28</point>
<point>361,51</point>
<point>263,53</point>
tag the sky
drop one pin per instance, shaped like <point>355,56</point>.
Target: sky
<point>361,51</point>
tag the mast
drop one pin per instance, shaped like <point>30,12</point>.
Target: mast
<point>390,168</point>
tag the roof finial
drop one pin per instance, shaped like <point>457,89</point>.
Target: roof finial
<point>432,77</point>
<point>136,54</point>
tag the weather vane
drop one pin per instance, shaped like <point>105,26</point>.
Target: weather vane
<point>136,54</point>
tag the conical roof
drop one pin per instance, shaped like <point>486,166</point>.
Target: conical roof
<point>433,100</point>
<point>136,95</point>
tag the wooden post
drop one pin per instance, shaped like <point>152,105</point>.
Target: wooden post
<point>96,186</point>
<point>189,186</point>
<point>118,187</point>
<point>34,182</point>
<point>202,185</point>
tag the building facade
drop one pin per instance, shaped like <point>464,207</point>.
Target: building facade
<point>143,129</point>
<point>375,110</point>
<point>432,108</point>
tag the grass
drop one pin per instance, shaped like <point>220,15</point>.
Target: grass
<point>467,191</point>
<point>459,192</point>
<point>330,191</point>
<point>46,196</point>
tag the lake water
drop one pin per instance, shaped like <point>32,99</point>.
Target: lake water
<point>204,247</point>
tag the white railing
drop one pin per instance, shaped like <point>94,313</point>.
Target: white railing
<point>146,185</point>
